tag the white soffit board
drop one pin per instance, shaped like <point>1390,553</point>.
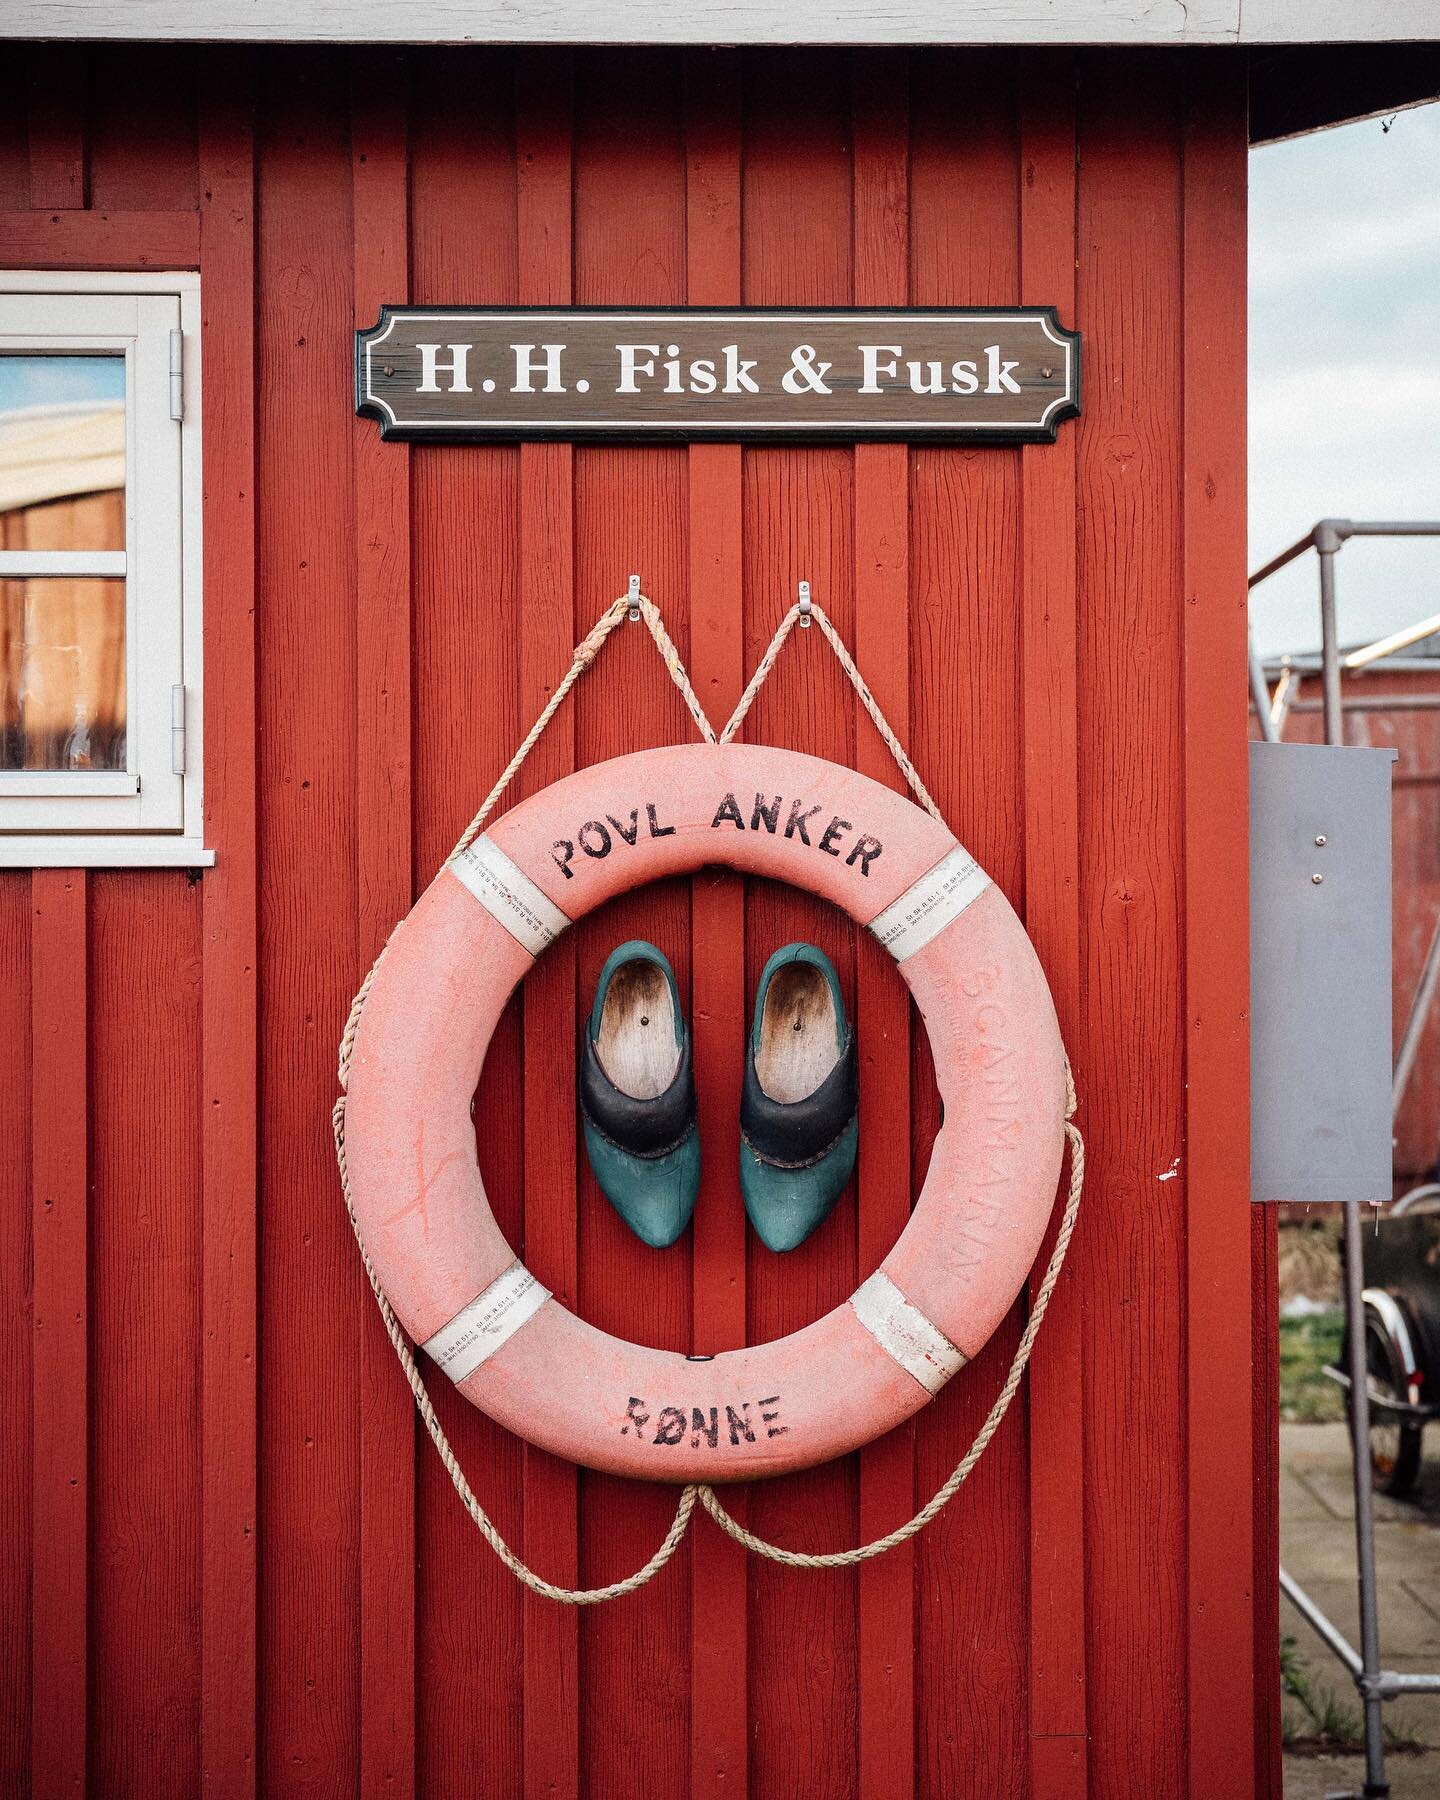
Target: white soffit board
<point>1172,22</point>
<point>1339,22</point>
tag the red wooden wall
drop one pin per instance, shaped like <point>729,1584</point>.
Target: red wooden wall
<point>227,1564</point>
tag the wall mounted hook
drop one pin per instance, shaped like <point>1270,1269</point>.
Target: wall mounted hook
<point>805,604</point>
<point>634,598</point>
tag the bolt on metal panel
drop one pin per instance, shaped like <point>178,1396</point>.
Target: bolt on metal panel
<point>1319,973</point>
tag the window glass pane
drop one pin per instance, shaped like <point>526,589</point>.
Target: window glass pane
<point>62,673</point>
<point>62,452</point>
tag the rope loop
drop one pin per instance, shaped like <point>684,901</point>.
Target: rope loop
<point>847,662</point>
<point>584,654</point>
<point>405,1356</point>
<point>844,1559</point>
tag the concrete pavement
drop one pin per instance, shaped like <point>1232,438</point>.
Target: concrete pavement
<point>1317,1547</point>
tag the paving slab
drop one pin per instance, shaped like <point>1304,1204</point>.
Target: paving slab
<point>1318,1777</point>
<point>1317,1456</point>
<point>1299,1503</point>
<point>1429,1597</point>
<point>1409,1632</point>
<point>1404,1553</point>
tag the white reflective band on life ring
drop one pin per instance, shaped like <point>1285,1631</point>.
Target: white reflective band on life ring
<point>923,911</point>
<point>903,1332</point>
<point>509,895</point>
<point>491,1319</point>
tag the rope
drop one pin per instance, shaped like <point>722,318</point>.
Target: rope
<point>843,1559</point>
<point>585,653</point>
<point>520,1570</point>
<point>709,1499</point>
<point>857,681</point>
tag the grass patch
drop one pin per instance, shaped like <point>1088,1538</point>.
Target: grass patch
<point>1320,1722</point>
<point>1307,1395</point>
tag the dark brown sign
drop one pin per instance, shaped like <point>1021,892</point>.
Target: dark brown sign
<point>989,375</point>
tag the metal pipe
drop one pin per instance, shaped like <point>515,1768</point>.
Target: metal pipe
<point>1260,694</point>
<point>1373,1683</point>
<point>1418,1196</point>
<point>1395,1684</point>
<point>1287,692</point>
<point>1307,663</point>
<point>1415,1025</point>
<point>1371,703</point>
<point>1364,1504</point>
<point>1298,548</point>
<point>1389,1684</point>
<point>1329,1633</point>
<point>1326,545</point>
<point>1337,530</point>
<point>1397,640</point>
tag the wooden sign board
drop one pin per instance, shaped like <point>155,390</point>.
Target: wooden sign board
<point>996,375</point>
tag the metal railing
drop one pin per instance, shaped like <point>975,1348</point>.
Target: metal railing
<point>1374,1683</point>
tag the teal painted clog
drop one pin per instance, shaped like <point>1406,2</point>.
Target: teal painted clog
<point>637,1095</point>
<point>798,1125</point>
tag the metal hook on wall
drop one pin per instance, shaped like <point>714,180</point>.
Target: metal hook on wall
<point>805,604</point>
<point>634,598</point>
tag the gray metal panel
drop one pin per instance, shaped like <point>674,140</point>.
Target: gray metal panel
<point>1319,972</point>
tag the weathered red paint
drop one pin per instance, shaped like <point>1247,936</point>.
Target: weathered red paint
<point>1052,916</point>
<point>1056,623</point>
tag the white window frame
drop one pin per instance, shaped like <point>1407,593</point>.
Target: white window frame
<point>150,814</point>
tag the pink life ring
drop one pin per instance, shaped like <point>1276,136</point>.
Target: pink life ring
<point>955,1270</point>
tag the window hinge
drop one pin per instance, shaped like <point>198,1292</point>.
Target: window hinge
<point>177,729</point>
<point>177,375</point>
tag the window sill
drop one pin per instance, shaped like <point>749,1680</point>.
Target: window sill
<point>104,852</point>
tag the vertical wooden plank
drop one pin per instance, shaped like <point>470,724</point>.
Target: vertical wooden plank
<point>798,522</point>
<point>544,174</point>
<point>311,1297</point>
<point>967,736</point>
<point>629,238</point>
<point>1217,945</point>
<point>15,187</point>
<point>60,1180</point>
<point>380,224</point>
<point>228,1054</point>
<point>146,1520</point>
<point>1052,917</point>
<point>465,630</point>
<point>881,160</point>
<point>57,127</point>
<point>142,133</point>
<point>1130,1255</point>
<point>719,1666</point>
<point>17,1333</point>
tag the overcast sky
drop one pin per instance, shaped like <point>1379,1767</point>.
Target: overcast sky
<point>1345,369</point>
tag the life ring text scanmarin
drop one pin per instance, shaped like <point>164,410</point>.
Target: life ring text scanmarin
<point>438,993</point>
